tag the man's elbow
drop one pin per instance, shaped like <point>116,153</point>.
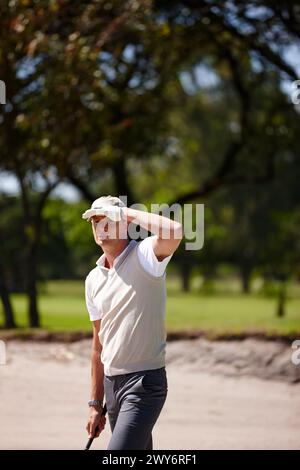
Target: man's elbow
<point>176,237</point>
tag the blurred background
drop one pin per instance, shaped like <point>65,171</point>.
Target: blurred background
<point>164,102</point>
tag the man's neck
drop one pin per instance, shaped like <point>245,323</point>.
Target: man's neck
<point>111,253</point>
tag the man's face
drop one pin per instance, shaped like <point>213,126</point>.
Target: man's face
<point>107,232</point>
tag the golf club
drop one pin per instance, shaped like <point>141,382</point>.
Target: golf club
<point>89,443</point>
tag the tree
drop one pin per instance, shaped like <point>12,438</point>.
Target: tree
<point>92,86</point>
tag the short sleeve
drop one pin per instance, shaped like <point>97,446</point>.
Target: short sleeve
<point>148,258</point>
<point>91,307</point>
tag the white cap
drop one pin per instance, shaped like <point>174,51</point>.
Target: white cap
<point>100,203</point>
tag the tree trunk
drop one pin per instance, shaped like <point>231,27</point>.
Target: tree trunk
<point>245,277</point>
<point>121,181</point>
<point>281,301</point>
<point>33,220</point>
<point>33,313</point>
<point>185,278</point>
<point>9,321</point>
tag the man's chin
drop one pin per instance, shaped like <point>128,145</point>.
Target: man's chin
<point>105,241</point>
<point>102,240</point>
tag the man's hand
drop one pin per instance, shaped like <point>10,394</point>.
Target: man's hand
<point>95,419</point>
<point>114,213</point>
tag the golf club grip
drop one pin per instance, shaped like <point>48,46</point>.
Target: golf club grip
<point>89,443</point>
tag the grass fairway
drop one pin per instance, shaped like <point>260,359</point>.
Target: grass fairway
<point>62,308</point>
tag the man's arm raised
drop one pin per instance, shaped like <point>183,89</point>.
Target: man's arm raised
<point>168,232</point>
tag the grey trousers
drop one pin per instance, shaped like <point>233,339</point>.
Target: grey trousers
<point>134,402</point>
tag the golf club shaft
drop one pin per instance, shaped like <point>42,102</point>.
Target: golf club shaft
<point>89,443</point>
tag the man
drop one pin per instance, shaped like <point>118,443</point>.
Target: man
<point>125,297</point>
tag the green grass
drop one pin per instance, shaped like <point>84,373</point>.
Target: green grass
<point>62,308</point>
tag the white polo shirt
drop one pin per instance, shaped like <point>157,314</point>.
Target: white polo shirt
<point>148,260</point>
<point>130,299</point>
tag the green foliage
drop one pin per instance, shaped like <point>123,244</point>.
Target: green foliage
<point>63,308</point>
<point>68,246</point>
<point>113,97</point>
<point>12,242</point>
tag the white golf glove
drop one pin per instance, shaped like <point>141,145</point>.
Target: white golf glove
<point>114,213</point>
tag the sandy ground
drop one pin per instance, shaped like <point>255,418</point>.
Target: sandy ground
<point>222,395</point>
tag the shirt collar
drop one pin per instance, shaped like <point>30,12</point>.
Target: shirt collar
<point>101,260</point>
